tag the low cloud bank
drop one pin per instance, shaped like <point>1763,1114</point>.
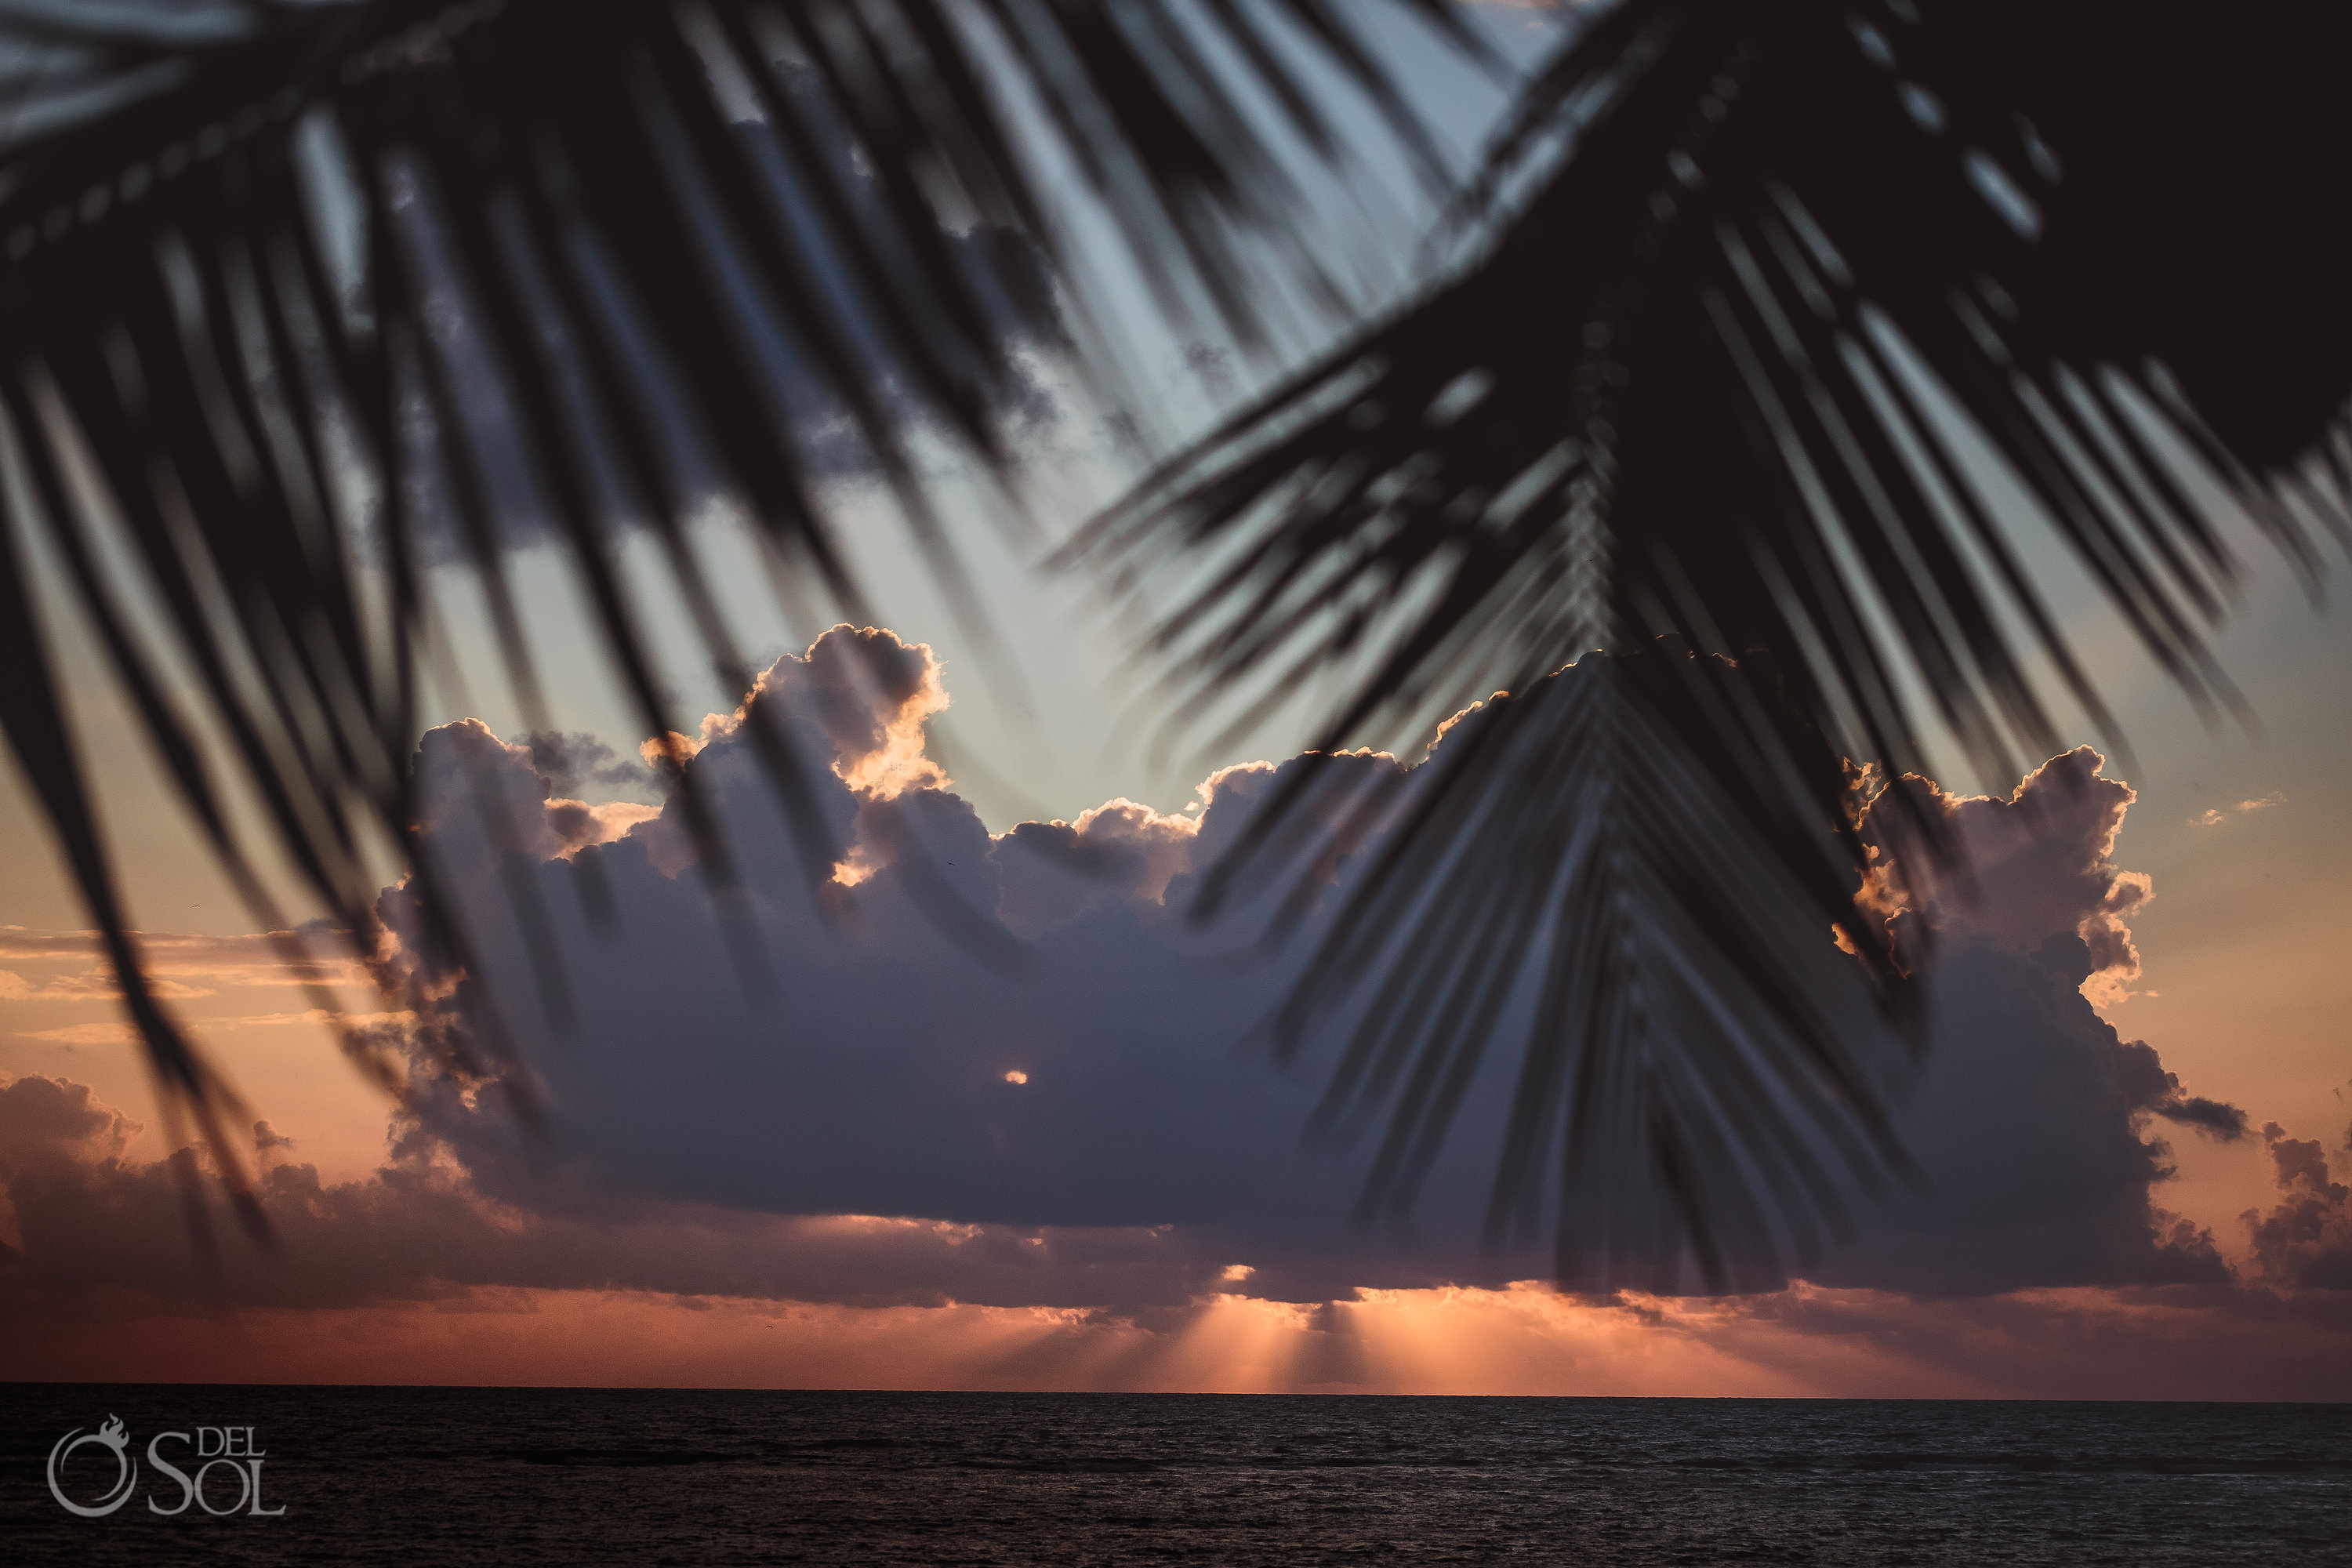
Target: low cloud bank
<point>412,1276</point>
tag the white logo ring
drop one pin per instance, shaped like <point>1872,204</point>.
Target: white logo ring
<point>110,1437</point>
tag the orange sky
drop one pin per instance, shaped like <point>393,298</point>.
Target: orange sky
<point>2085,1344</point>
<point>2244,991</point>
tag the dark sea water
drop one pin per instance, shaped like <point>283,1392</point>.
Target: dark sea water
<point>426,1475</point>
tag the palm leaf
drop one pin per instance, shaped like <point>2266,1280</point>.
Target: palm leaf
<point>276,280</point>
<point>1739,275</point>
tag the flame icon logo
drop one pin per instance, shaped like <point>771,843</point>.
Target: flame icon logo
<point>113,1435</point>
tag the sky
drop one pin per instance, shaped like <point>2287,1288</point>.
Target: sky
<point>1039,1144</point>
<point>890,1162</point>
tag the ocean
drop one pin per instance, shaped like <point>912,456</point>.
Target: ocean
<point>650,1477</point>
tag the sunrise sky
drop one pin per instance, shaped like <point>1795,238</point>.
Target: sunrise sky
<point>884,1160</point>
<point>896,1166</point>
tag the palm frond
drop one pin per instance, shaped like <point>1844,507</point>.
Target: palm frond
<point>296,302</point>
<point>1753,286</point>
<point>1697,1075</point>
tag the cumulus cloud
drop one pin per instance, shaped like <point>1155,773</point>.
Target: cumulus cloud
<point>2032,1124</point>
<point>1049,873</point>
<point>1105,1087</point>
<point>2306,1237</point>
<point>1124,853</point>
<point>2034,867</point>
<point>46,1119</point>
<point>479,799</point>
<point>2031,1132</point>
<point>45,1123</point>
<point>868,695</point>
<point>1095,1130</point>
<point>883,1070</point>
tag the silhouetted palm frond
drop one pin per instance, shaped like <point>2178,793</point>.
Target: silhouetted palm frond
<point>278,278</point>
<point>1763,296</point>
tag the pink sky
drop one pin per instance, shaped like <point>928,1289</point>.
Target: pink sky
<point>392,1269</point>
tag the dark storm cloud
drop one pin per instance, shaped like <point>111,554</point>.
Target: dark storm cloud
<point>1036,1128</point>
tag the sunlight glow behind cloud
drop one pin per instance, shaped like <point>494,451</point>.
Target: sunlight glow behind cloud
<point>847,1195</point>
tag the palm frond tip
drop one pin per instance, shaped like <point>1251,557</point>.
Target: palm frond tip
<point>298,302</point>
<point>1754,289</point>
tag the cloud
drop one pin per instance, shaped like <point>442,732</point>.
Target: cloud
<point>179,966</point>
<point>49,1122</point>
<point>2306,1237</point>
<point>420,1229</point>
<point>868,694</point>
<point>412,1276</point>
<point>572,763</point>
<point>2030,1124</point>
<point>2221,1122</point>
<point>1050,873</point>
<point>479,799</point>
<point>45,1119</point>
<point>107,1034</point>
<point>2029,1130</point>
<point>2035,867</point>
<point>90,985</point>
<point>2214,816</point>
<point>124,1034</point>
<point>884,1071</point>
<point>871,1077</point>
<point>815,1091</point>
